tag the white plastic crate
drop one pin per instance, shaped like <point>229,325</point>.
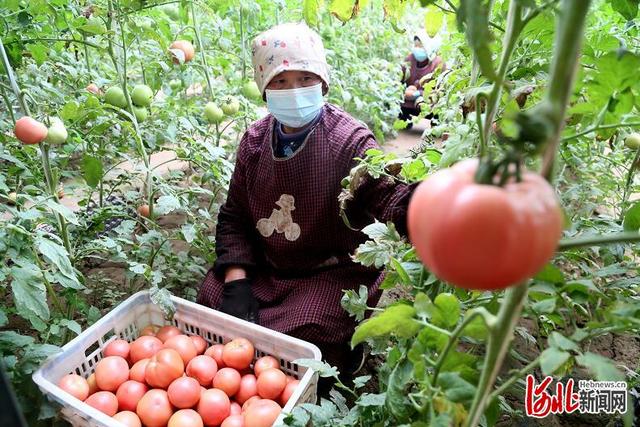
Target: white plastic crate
<point>127,320</point>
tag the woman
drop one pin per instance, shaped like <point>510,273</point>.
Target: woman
<point>283,252</point>
<point>418,69</point>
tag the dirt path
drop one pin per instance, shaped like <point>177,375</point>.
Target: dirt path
<point>406,139</point>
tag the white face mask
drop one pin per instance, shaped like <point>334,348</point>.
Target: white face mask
<point>295,107</point>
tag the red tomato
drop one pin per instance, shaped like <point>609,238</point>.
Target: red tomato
<point>238,353</point>
<point>291,378</point>
<point>164,367</point>
<point>248,388</point>
<point>271,383</point>
<point>111,372</point>
<point>262,413</point>
<point>30,131</point>
<point>144,348</point>
<point>186,418</point>
<point>104,401</point>
<point>137,371</point>
<point>199,342</point>
<point>75,385</point>
<point>154,409</point>
<point>167,332</point>
<point>288,391</point>
<point>250,401</point>
<point>215,351</point>
<point>129,394</point>
<point>186,47</point>
<point>183,345</point>
<point>128,418</point>
<point>184,392</point>
<point>117,347</point>
<point>93,386</point>
<point>94,89</point>
<point>233,421</point>
<point>235,409</point>
<point>202,368</point>
<point>264,363</point>
<point>149,330</point>
<point>480,236</point>
<point>227,380</point>
<point>214,407</point>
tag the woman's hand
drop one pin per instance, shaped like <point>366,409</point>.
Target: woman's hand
<point>235,273</point>
<point>238,300</point>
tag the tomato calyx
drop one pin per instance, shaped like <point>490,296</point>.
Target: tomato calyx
<point>499,172</point>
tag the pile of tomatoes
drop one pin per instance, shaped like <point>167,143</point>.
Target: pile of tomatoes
<point>166,378</point>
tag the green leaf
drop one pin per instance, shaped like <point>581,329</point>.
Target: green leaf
<point>447,310</point>
<point>189,232</point>
<point>545,306</point>
<point>394,12</point>
<point>562,342</point>
<point>39,52</point>
<point>92,170</point>
<point>166,204</point>
<point>422,304</point>
<point>72,325</point>
<point>361,381</point>
<point>70,111</point>
<point>631,221</point>
<point>3,318</point>
<point>369,399</point>
<point>322,368</point>
<point>355,303</point>
<point>627,8</point>
<point>455,388</point>
<point>402,274</point>
<point>433,20</point>
<point>29,293</point>
<point>397,319</point>
<point>310,9</point>
<point>553,358</point>
<point>344,10</point>
<point>550,273</point>
<point>162,298</point>
<point>476,329</point>
<point>58,256</point>
<point>9,340</point>
<point>398,382</point>
<point>94,25</point>
<point>63,210</point>
<point>474,16</point>
<point>602,367</point>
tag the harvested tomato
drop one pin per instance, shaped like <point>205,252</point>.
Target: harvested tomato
<point>288,391</point>
<point>214,407</point>
<point>183,345</point>
<point>154,409</point>
<point>185,418</point>
<point>227,380</point>
<point>235,408</point>
<point>128,418</point>
<point>164,367</point>
<point>233,421</point>
<point>75,385</point>
<point>129,394</point>
<point>203,369</point>
<point>104,401</point>
<point>93,386</point>
<point>144,348</point>
<point>137,371</point>
<point>238,353</point>
<point>271,383</point>
<point>150,330</point>
<point>117,347</point>
<point>262,413</point>
<point>199,342</point>
<point>184,392</point>
<point>484,237</point>
<point>264,363</point>
<point>111,372</point>
<point>215,351</point>
<point>30,131</point>
<point>250,401</point>
<point>248,388</point>
<point>168,331</point>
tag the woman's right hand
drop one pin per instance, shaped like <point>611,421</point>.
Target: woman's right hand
<point>238,300</point>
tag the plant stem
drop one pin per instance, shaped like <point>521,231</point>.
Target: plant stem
<point>244,64</point>
<point>497,345</point>
<point>49,39</point>
<point>569,35</point>
<point>598,240</point>
<point>12,81</point>
<point>8,104</point>
<point>596,128</point>
<point>515,377</point>
<point>205,66</point>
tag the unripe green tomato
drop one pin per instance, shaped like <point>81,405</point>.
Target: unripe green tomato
<point>115,96</point>
<point>171,10</point>
<point>141,113</point>
<point>175,84</point>
<point>632,141</point>
<point>213,113</point>
<point>142,95</point>
<point>231,106</point>
<point>250,90</point>
<point>12,198</point>
<point>57,133</point>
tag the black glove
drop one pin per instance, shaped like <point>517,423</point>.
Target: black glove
<point>238,300</point>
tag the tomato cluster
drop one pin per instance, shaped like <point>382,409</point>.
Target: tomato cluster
<point>166,378</point>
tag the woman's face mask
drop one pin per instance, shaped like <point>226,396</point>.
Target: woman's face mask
<point>297,107</point>
<point>419,53</point>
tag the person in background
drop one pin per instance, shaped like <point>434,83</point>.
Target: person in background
<point>417,70</point>
<point>283,251</point>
